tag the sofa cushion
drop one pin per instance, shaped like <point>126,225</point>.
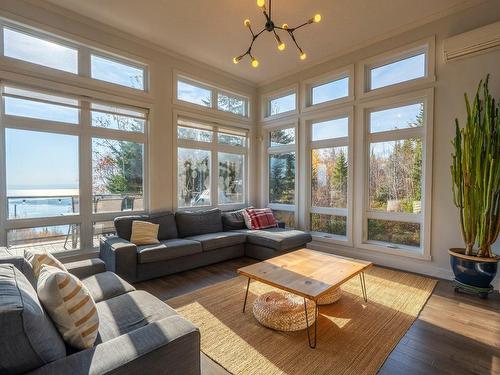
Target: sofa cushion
<point>233,220</point>
<point>213,241</point>
<point>28,338</point>
<point>123,225</point>
<point>128,312</point>
<point>106,285</point>
<point>199,222</point>
<point>168,249</point>
<point>277,238</point>
<point>168,226</point>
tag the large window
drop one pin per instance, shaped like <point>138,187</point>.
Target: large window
<point>395,174</point>
<point>42,174</point>
<point>281,166</point>
<point>330,176</point>
<point>205,95</point>
<point>50,141</point>
<point>211,165</point>
<point>50,51</point>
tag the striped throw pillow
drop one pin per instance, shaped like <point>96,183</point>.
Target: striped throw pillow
<point>37,260</point>
<point>259,218</point>
<point>70,305</point>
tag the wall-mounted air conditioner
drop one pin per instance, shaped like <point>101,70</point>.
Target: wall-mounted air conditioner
<point>473,42</point>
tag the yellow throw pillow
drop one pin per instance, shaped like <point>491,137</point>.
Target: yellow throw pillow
<point>37,260</point>
<point>144,233</point>
<point>70,305</point>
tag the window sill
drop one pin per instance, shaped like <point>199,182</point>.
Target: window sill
<point>403,251</point>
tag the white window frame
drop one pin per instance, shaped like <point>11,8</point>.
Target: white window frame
<point>84,48</point>
<point>281,150</point>
<point>307,122</point>
<point>266,103</point>
<point>85,132</point>
<point>363,212</point>
<point>215,90</point>
<point>426,46</point>
<point>338,74</point>
<point>214,147</point>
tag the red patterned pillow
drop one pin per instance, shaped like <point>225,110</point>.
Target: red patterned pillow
<point>262,218</point>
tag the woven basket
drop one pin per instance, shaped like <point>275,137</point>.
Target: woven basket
<point>283,311</point>
<point>330,297</point>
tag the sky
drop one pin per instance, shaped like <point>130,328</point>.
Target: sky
<point>399,71</point>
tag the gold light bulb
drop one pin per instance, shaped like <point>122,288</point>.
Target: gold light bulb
<point>285,26</point>
<point>261,3</point>
<point>247,23</point>
<point>317,18</point>
<point>236,60</point>
<point>303,55</point>
<point>281,46</point>
<point>255,62</point>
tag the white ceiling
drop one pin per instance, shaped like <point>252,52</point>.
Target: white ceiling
<point>212,31</point>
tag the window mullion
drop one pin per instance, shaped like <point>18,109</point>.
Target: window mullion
<point>86,178</point>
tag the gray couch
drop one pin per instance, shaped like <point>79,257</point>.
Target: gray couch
<point>138,333</point>
<point>192,239</point>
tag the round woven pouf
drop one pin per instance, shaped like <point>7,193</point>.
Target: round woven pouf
<point>330,297</point>
<point>283,311</point>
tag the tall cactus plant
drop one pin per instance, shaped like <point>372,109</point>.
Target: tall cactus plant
<point>476,172</point>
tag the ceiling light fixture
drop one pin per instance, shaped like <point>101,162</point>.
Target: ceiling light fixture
<point>272,28</point>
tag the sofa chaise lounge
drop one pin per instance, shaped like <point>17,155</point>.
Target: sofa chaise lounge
<point>192,239</point>
<point>138,333</point>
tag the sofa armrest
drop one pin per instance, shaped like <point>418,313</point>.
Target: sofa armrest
<point>120,256</point>
<point>168,346</point>
<point>281,224</point>
<point>86,268</point>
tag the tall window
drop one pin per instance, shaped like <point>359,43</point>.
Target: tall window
<point>395,175</point>
<point>50,141</point>
<point>211,165</point>
<point>281,170</point>
<point>330,176</point>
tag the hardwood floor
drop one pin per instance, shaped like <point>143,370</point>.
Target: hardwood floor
<point>454,334</point>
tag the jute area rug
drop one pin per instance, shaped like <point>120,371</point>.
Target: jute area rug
<point>354,337</point>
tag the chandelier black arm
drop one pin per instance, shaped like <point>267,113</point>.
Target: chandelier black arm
<point>254,37</point>
<point>295,41</point>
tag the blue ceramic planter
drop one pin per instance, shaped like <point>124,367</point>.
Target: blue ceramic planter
<point>471,272</point>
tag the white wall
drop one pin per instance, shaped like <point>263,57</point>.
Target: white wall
<point>452,80</point>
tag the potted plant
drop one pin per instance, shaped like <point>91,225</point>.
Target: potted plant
<point>476,192</point>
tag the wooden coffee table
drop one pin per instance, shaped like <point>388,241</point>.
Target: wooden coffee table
<point>309,274</point>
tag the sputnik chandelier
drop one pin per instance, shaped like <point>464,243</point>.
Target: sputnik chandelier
<point>272,28</point>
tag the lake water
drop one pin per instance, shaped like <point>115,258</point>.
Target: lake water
<point>32,203</point>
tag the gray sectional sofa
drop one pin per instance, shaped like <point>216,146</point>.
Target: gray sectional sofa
<point>138,333</point>
<point>192,239</point>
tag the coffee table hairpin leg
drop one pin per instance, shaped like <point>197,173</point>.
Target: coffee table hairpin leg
<point>312,344</point>
<point>246,295</point>
<point>363,286</point>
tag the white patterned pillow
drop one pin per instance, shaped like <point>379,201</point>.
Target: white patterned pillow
<point>70,305</point>
<point>37,260</point>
